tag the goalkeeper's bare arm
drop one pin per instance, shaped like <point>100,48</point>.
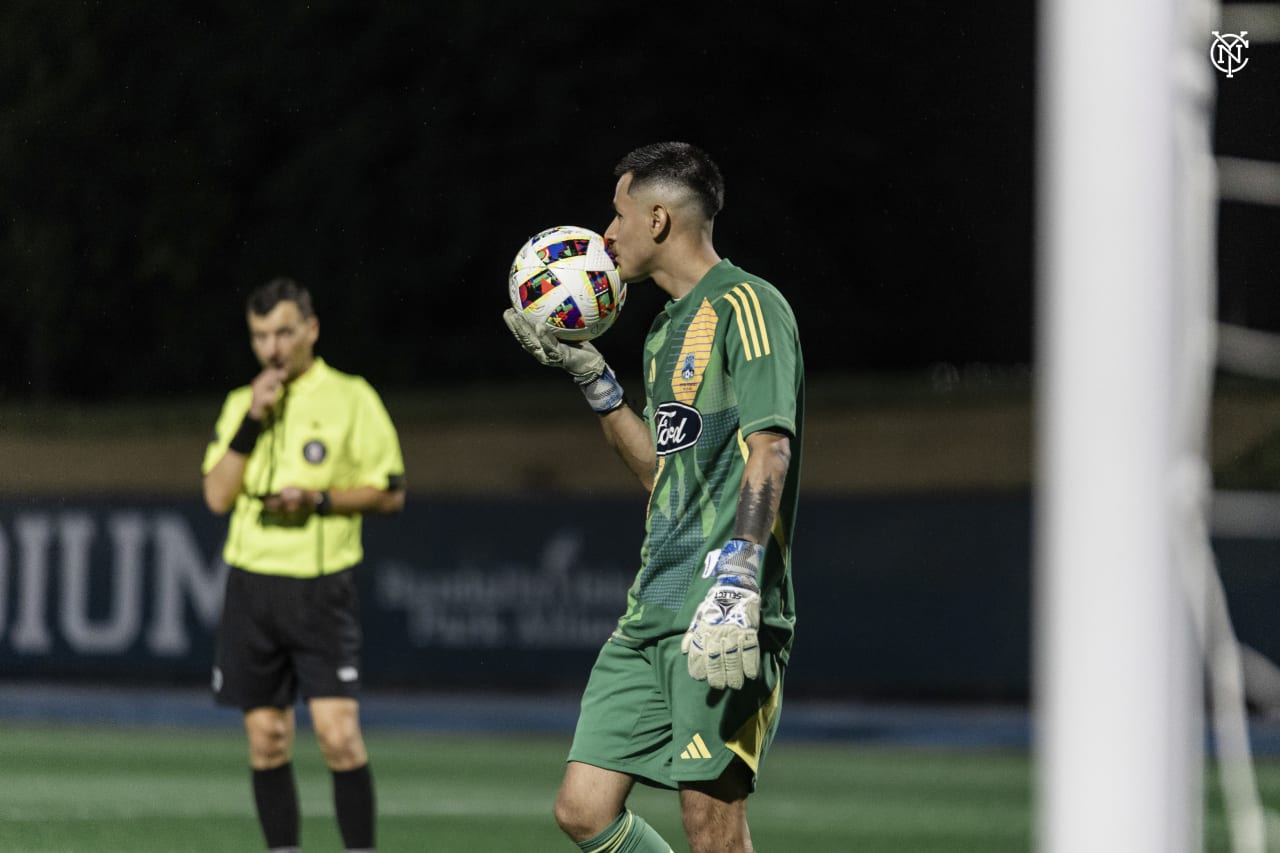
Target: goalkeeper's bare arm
<point>769,457</point>
<point>628,434</point>
<point>624,429</point>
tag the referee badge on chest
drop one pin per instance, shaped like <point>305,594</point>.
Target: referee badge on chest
<point>314,451</point>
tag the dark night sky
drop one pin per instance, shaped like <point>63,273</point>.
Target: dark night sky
<point>158,162</point>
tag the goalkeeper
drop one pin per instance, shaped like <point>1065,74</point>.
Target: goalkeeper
<point>685,694</point>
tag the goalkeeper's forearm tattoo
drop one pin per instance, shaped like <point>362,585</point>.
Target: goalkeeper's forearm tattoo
<point>757,506</point>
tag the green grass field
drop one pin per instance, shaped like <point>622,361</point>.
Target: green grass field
<point>71,789</point>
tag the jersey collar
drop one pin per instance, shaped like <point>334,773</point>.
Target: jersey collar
<point>308,380</point>
<point>687,304</point>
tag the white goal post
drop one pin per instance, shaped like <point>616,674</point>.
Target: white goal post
<point>1126,214</point>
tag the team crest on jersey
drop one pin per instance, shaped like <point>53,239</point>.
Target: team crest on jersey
<point>678,427</point>
<point>689,368</point>
<point>314,451</point>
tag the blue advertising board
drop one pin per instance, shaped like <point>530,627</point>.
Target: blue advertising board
<point>898,596</point>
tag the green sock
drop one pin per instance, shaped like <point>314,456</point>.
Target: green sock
<point>628,834</point>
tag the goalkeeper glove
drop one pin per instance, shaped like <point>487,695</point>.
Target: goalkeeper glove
<point>582,361</point>
<point>722,641</point>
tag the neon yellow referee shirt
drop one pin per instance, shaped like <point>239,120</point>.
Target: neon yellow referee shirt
<point>330,430</point>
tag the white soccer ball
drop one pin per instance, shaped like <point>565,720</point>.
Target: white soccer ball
<point>566,278</point>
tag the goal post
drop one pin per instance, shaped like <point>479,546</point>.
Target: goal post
<point>1116,687</point>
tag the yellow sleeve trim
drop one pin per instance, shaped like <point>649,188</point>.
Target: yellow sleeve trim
<point>750,318</point>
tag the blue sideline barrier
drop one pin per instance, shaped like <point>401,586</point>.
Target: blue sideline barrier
<point>901,597</point>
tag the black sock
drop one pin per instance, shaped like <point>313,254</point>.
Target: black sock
<point>276,796</point>
<point>353,803</point>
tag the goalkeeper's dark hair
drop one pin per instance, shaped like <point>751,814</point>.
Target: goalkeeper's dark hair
<point>677,163</point>
<point>271,294</point>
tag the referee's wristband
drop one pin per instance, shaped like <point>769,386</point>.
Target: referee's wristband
<point>247,436</point>
<point>323,505</point>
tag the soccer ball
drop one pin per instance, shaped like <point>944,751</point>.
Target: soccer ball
<point>565,277</point>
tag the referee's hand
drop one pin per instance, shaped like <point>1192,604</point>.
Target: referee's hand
<point>266,390</point>
<point>290,499</point>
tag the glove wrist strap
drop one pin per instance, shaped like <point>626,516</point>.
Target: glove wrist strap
<point>603,393</point>
<point>739,564</point>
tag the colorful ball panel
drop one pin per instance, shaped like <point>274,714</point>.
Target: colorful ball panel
<point>566,278</point>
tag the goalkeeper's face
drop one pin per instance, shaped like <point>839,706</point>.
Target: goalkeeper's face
<point>629,236</point>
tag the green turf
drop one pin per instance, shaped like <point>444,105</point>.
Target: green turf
<point>139,790</point>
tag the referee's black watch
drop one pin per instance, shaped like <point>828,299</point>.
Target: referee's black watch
<point>323,505</point>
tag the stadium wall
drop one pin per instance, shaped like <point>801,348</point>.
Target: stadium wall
<point>905,596</point>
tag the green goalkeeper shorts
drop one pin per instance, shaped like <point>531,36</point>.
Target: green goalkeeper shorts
<point>644,716</point>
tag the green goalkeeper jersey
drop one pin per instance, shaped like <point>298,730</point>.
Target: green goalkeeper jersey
<point>720,363</point>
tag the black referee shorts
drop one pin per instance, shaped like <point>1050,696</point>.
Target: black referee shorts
<point>283,636</point>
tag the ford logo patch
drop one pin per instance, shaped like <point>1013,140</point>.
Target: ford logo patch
<point>678,427</point>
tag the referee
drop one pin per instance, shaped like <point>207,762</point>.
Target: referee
<point>297,457</point>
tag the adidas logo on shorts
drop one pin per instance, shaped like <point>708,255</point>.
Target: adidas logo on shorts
<point>696,749</point>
